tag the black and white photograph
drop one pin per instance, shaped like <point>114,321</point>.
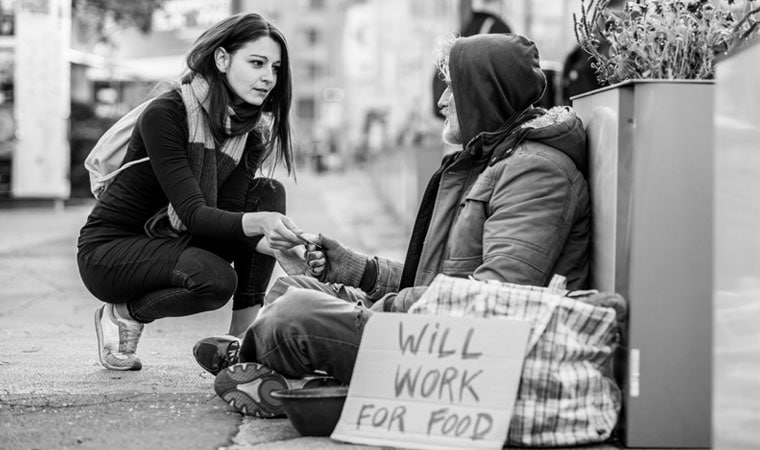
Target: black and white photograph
<point>350,224</point>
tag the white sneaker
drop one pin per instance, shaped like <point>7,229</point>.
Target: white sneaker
<point>117,340</point>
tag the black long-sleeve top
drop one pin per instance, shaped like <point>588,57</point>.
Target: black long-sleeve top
<point>139,192</point>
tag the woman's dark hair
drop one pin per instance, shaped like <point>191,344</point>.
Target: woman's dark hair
<point>231,34</point>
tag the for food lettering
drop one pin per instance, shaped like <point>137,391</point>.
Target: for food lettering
<point>454,381</point>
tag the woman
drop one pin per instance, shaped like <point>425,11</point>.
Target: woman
<point>160,240</point>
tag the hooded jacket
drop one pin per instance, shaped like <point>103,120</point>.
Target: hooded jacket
<point>513,205</point>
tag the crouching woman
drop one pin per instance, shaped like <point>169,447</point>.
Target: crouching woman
<point>161,239</point>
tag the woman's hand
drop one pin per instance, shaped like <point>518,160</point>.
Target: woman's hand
<point>306,259</point>
<point>280,232</point>
<point>292,260</point>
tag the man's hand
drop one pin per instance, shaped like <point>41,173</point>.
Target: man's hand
<point>315,259</point>
<point>337,263</point>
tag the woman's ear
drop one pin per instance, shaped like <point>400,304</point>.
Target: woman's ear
<point>222,59</point>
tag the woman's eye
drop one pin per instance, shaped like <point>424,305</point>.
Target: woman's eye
<point>276,68</point>
<point>257,63</point>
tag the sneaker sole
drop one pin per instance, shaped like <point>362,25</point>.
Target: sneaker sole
<point>219,361</point>
<point>247,388</point>
<point>135,365</point>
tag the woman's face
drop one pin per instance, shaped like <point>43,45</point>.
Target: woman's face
<point>252,69</point>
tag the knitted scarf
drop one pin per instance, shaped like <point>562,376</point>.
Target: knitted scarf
<point>210,166</point>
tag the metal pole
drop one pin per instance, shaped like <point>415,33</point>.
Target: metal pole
<point>528,17</point>
<point>236,6</point>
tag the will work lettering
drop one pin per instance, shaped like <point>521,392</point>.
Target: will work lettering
<point>436,341</point>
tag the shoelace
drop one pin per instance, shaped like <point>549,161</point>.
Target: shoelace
<point>129,335</point>
<point>232,352</point>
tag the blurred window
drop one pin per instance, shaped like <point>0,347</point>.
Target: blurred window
<point>7,23</point>
<point>314,70</point>
<point>306,108</point>
<point>312,35</point>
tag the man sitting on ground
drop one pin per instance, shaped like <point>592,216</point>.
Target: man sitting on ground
<point>512,205</point>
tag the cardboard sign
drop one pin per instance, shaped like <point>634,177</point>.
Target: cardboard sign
<point>432,382</point>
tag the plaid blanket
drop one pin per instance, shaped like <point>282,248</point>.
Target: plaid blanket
<point>567,394</point>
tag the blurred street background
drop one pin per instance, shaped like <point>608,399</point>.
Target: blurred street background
<point>367,137</point>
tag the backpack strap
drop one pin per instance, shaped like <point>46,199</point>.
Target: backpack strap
<point>120,169</point>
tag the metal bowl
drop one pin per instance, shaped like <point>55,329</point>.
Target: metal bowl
<point>313,411</point>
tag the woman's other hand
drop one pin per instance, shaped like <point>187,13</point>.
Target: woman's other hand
<point>279,230</point>
<point>292,260</point>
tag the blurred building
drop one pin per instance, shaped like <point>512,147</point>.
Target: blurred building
<point>7,118</point>
<point>361,68</point>
<point>34,98</point>
<point>361,71</point>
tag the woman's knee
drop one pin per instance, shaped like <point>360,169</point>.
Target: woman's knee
<point>210,279</point>
<point>220,289</point>
<point>266,194</point>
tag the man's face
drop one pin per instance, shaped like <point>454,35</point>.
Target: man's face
<point>451,132</point>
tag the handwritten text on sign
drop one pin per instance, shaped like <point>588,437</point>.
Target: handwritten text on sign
<point>434,382</point>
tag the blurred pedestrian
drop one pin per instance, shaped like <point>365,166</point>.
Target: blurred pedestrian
<point>577,74</point>
<point>512,205</point>
<point>161,239</point>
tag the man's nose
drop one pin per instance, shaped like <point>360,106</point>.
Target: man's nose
<point>443,100</point>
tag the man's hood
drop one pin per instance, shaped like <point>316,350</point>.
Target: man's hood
<point>562,129</point>
<point>494,77</point>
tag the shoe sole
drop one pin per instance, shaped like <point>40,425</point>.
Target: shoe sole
<point>220,361</point>
<point>99,331</point>
<point>247,388</point>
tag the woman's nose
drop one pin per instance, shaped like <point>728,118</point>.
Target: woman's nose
<point>268,75</point>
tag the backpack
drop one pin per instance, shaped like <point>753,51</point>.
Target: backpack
<point>106,158</point>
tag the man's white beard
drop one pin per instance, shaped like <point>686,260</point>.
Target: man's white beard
<point>450,136</point>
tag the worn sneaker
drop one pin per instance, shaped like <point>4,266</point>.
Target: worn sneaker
<point>248,387</point>
<point>117,340</point>
<point>216,353</point>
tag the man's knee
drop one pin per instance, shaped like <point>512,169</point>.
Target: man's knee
<point>292,307</point>
<point>282,284</point>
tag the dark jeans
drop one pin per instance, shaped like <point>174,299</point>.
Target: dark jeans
<point>307,326</point>
<point>203,278</point>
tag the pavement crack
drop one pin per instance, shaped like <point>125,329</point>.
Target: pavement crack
<point>63,402</point>
<point>18,308</point>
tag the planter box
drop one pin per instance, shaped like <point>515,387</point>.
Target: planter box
<point>650,153</point>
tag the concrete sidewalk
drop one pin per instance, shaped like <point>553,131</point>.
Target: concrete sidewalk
<point>55,394</point>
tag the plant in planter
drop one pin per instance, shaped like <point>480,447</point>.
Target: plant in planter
<point>662,39</point>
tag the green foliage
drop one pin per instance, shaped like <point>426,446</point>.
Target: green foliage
<point>662,39</point>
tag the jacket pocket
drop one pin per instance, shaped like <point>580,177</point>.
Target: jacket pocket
<point>466,237</point>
